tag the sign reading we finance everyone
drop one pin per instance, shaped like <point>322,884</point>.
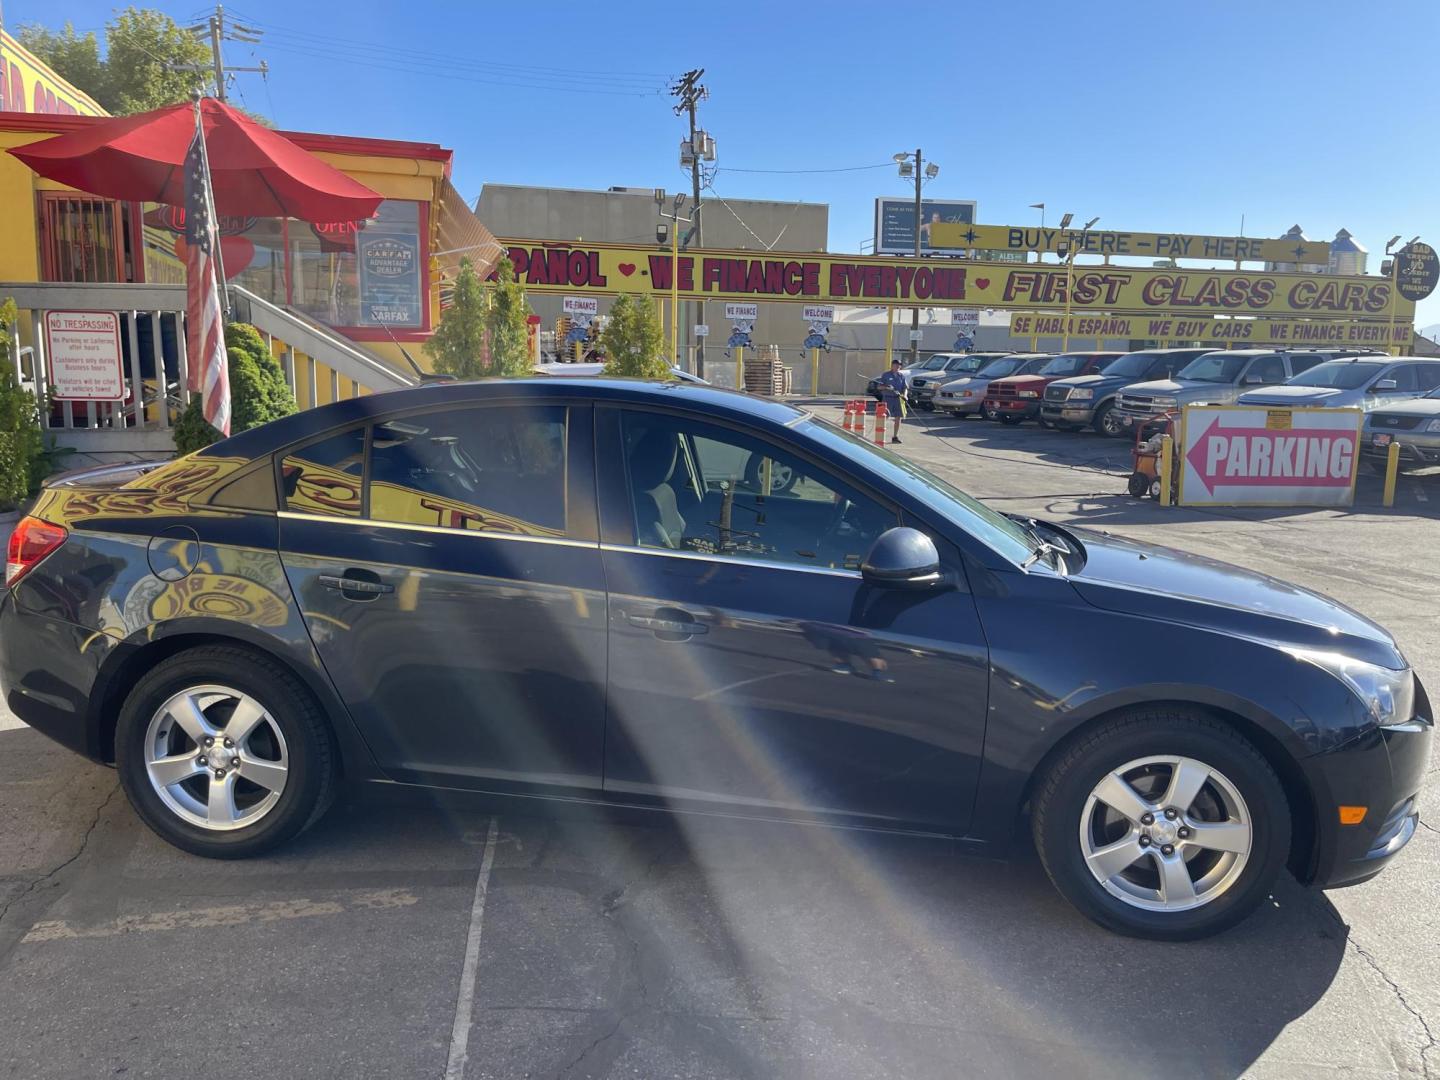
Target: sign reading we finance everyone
<point>1239,456</point>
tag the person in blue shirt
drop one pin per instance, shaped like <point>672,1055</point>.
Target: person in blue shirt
<point>892,387</point>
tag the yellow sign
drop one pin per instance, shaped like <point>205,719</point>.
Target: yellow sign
<point>28,85</point>
<point>1136,244</point>
<point>1296,333</point>
<point>868,281</point>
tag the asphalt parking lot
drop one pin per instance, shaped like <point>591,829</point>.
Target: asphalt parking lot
<point>422,941</point>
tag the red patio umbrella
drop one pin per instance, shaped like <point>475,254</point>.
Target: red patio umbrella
<point>254,171</point>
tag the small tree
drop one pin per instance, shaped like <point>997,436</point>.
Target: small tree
<point>633,340</point>
<point>22,447</point>
<point>258,391</point>
<point>483,332</point>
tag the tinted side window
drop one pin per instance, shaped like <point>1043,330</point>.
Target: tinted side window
<point>1404,376</point>
<point>498,468</point>
<point>1270,369</point>
<point>702,488</point>
<point>1304,362</point>
<point>1427,376</point>
<point>325,477</point>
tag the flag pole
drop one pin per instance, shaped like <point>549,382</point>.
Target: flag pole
<point>210,202</point>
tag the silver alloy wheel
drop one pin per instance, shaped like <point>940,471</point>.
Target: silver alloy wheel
<point>216,758</point>
<point>1166,833</point>
<point>1110,423</point>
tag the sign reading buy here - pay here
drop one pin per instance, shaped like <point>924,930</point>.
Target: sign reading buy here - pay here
<point>1233,456</point>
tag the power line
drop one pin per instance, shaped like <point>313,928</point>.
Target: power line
<point>796,172</point>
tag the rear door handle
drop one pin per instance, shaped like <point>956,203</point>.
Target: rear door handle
<point>357,584</point>
<point>657,624</point>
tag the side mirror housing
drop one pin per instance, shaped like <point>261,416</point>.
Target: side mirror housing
<point>1383,385</point>
<point>1252,379</point>
<point>902,558</point>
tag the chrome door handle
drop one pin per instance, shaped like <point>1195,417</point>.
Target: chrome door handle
<point>356,585</point>
<point>666,626</point>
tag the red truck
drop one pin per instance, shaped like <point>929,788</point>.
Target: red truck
<point>1018,397</point>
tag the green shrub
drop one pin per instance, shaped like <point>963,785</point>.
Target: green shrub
<point>633,339</point>
<point>23,461</point>
<point>258,391</point>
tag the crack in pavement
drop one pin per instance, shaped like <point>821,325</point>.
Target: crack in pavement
<point>1404,1002</point>
<point>50,874</point>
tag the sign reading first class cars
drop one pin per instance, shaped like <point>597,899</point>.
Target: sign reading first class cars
<point>823,278</point>
<point>1105,242</point>
<point>82,352</point>
<point>1237,456</point>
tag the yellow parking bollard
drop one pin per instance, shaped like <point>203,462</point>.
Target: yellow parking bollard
<point>814,372</point>
<point>1167,450</point>
<point>1392,472</point>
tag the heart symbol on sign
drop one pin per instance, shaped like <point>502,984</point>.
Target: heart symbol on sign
<point>982,283</point>
<point>626,268</point>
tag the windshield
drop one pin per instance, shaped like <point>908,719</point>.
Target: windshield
<point>935,363</point>
<point>999,367</point>
<point>960,365</point>
<point>1067,364</point>
<point>1338,375</point>
<point>1214,367</point>
<point>994,530</point>
<point>1132,365</point>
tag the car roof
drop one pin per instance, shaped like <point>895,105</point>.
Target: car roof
<point>695,397</point>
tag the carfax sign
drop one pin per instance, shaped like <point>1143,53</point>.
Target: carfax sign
<point>1236,456</point>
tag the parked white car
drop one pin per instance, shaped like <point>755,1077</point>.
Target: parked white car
<point>1356,382</point>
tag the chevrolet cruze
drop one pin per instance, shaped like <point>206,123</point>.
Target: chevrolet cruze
<point>666,595</point>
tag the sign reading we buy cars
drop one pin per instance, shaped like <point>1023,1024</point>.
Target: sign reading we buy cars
<point>1236,456</point>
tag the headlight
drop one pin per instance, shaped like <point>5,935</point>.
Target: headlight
<point>1164,402</point>
<point>967,393</point>
<point>1433,425</point>
<point>1080,394</point>
<point>1389,696</point>
<point>1027,393</point>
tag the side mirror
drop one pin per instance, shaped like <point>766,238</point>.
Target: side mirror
<point>1252,380</point>
<point>1384,385</point>
<point>902,558</point>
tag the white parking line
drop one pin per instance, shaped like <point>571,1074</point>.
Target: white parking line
<point>465,1001</point>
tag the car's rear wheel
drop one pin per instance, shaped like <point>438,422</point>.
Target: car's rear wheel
<point>224,753</point>
<point>1162,824</point>
<point>1009,419</point>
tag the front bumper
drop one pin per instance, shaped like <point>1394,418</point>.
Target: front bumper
<point>1382,771</point>
<point>1130,417</point>
<point>1065,413</point>
<point>1415,448</point>
<point>1024,408</point>
<point>959,405</point>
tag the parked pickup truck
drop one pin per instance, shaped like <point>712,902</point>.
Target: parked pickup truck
<point>1070,404</point>
<point>1017,397</point>
<point>1214,378</point>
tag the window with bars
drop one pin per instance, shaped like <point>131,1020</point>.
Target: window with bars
<point>82,238</point>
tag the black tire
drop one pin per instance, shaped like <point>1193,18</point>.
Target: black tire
<point>1106,423</point>
<point>1154,491</point>
<point>1138,485</point>
<point>312,765</point>
<point>1062,793</point>
<point>1010,419</point>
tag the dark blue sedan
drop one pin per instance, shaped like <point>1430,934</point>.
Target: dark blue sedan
<point>643,594</point>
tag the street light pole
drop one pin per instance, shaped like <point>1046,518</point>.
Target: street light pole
<point>1070,254</point>
<point>915,312</point>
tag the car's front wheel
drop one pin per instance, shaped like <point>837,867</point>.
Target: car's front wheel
<point>224,753</point>
<point>1162,824</point>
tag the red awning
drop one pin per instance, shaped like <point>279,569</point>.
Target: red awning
<point>256,172</point>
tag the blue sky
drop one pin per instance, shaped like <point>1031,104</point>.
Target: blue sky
<point>1285,111</point>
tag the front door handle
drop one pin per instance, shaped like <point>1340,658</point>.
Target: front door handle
<point>667,624</point>
<point>357,584</point>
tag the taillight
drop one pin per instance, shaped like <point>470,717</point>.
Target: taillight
<point>31,541</point>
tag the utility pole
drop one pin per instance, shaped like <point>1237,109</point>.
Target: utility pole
<point>215,28</point>
<point>915,312</point>
<point>691,93</point>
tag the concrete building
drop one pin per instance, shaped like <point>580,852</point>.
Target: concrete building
<point>629,215</point>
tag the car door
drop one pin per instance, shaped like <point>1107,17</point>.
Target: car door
<point>1406,384</point>
<point>750,666</point>
<point>448,567</point>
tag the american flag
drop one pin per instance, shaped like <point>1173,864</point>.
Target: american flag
<point>204,323</point>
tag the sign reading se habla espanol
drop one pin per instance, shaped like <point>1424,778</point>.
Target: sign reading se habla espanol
<point>864,281</point>
<point>1105,242</point>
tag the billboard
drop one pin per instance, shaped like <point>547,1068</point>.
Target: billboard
<point>895,222</point>
<point>1236,456</point>
<point>866,281</point>
<point>1106,242</point>
<point>28,85</point>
